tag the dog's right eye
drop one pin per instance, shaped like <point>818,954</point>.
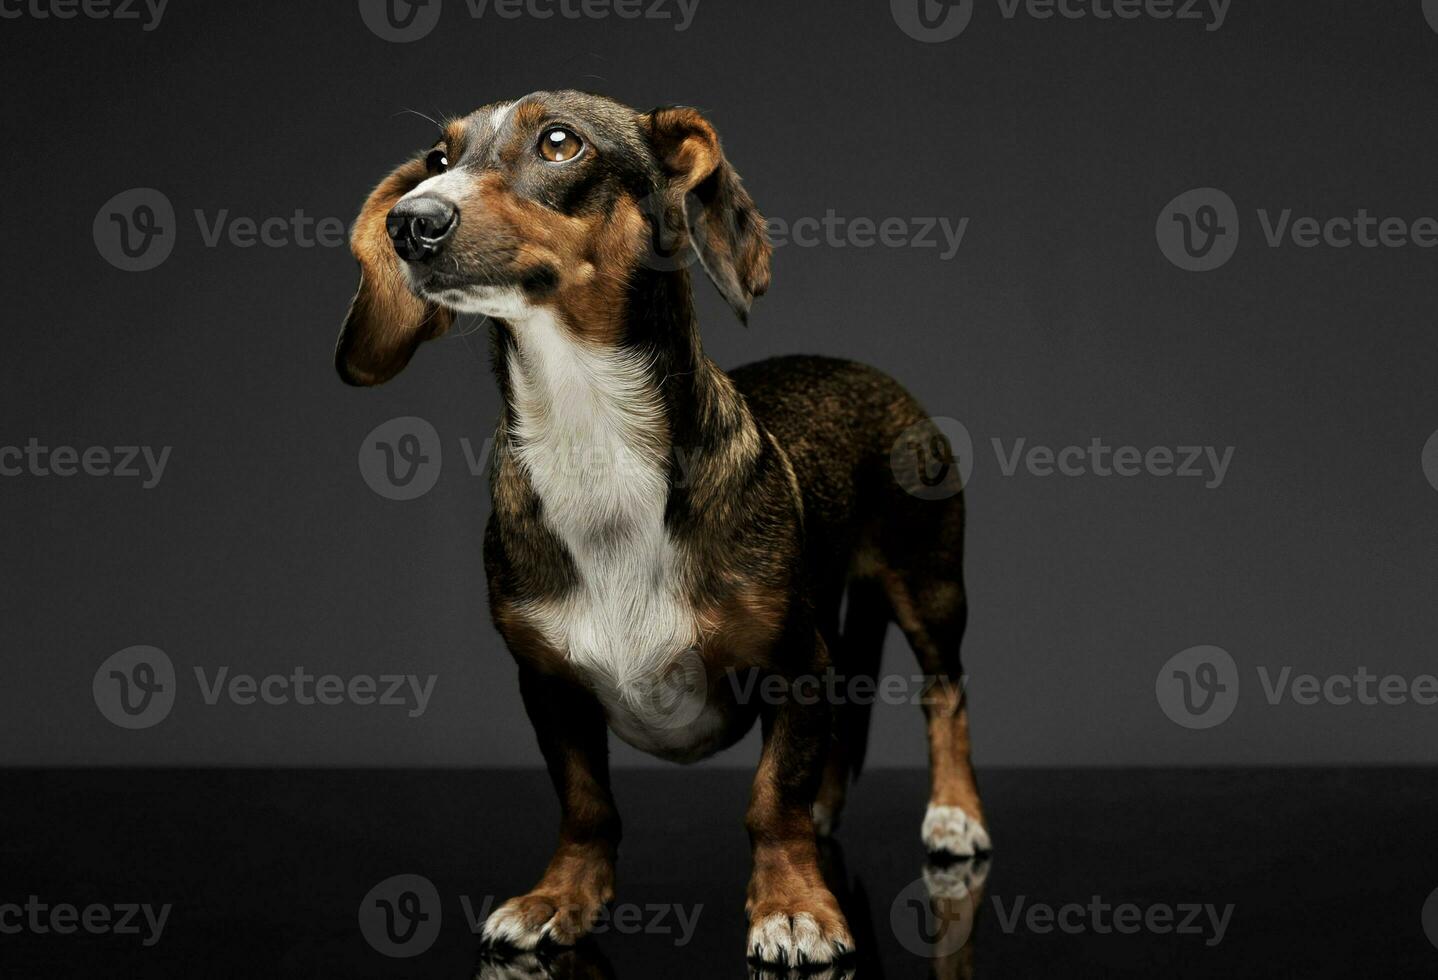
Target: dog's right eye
<point>437,162</point>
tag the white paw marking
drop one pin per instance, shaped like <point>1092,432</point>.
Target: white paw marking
<point>950,830</point>
<point>794,941</point>
<point>826,821</point>
<point>506,925</point>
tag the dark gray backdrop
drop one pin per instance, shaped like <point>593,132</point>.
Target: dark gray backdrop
<point>1058,321</point>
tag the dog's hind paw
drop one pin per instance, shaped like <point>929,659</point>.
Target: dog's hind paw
<point>950,830</point>
<point>956,880</point>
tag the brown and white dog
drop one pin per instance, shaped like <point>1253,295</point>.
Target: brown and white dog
<point>631,590</point>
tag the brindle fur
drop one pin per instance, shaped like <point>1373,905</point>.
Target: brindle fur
<point>785,504</point>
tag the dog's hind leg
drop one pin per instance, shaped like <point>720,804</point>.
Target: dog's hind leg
<point>925,585</point>
<point>932,613</point>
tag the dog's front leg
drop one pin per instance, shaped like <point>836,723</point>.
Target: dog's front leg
<point>580,877</point>
<point>793,917</point>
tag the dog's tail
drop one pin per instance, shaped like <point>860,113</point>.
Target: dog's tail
<point>866,621</point>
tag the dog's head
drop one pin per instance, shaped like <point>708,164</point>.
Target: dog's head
<point>551,201</point>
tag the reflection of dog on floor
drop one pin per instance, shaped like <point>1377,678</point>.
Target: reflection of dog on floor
<point>655,518</point>
<point>583,961</point>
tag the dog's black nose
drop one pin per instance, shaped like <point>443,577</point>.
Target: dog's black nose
<point>419,227</point>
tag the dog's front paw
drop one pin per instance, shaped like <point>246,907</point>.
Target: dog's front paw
<point>538,917</point>
<point>799,937</point>
<point>950,830</point>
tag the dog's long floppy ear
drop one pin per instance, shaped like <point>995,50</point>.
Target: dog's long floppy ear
<point>386,322</point>
<point>725,228</point>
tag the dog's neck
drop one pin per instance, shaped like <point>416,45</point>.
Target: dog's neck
<point>653,401</point>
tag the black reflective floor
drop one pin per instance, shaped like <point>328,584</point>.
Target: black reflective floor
<point>1097,873</point>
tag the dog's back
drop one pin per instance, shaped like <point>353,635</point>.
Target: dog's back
<point>843,426</point>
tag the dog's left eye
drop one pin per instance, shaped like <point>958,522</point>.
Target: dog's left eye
<point>437,162</point>
<point>559,145</point>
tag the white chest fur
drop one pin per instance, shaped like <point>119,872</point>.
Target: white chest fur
<point>582,419</point>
